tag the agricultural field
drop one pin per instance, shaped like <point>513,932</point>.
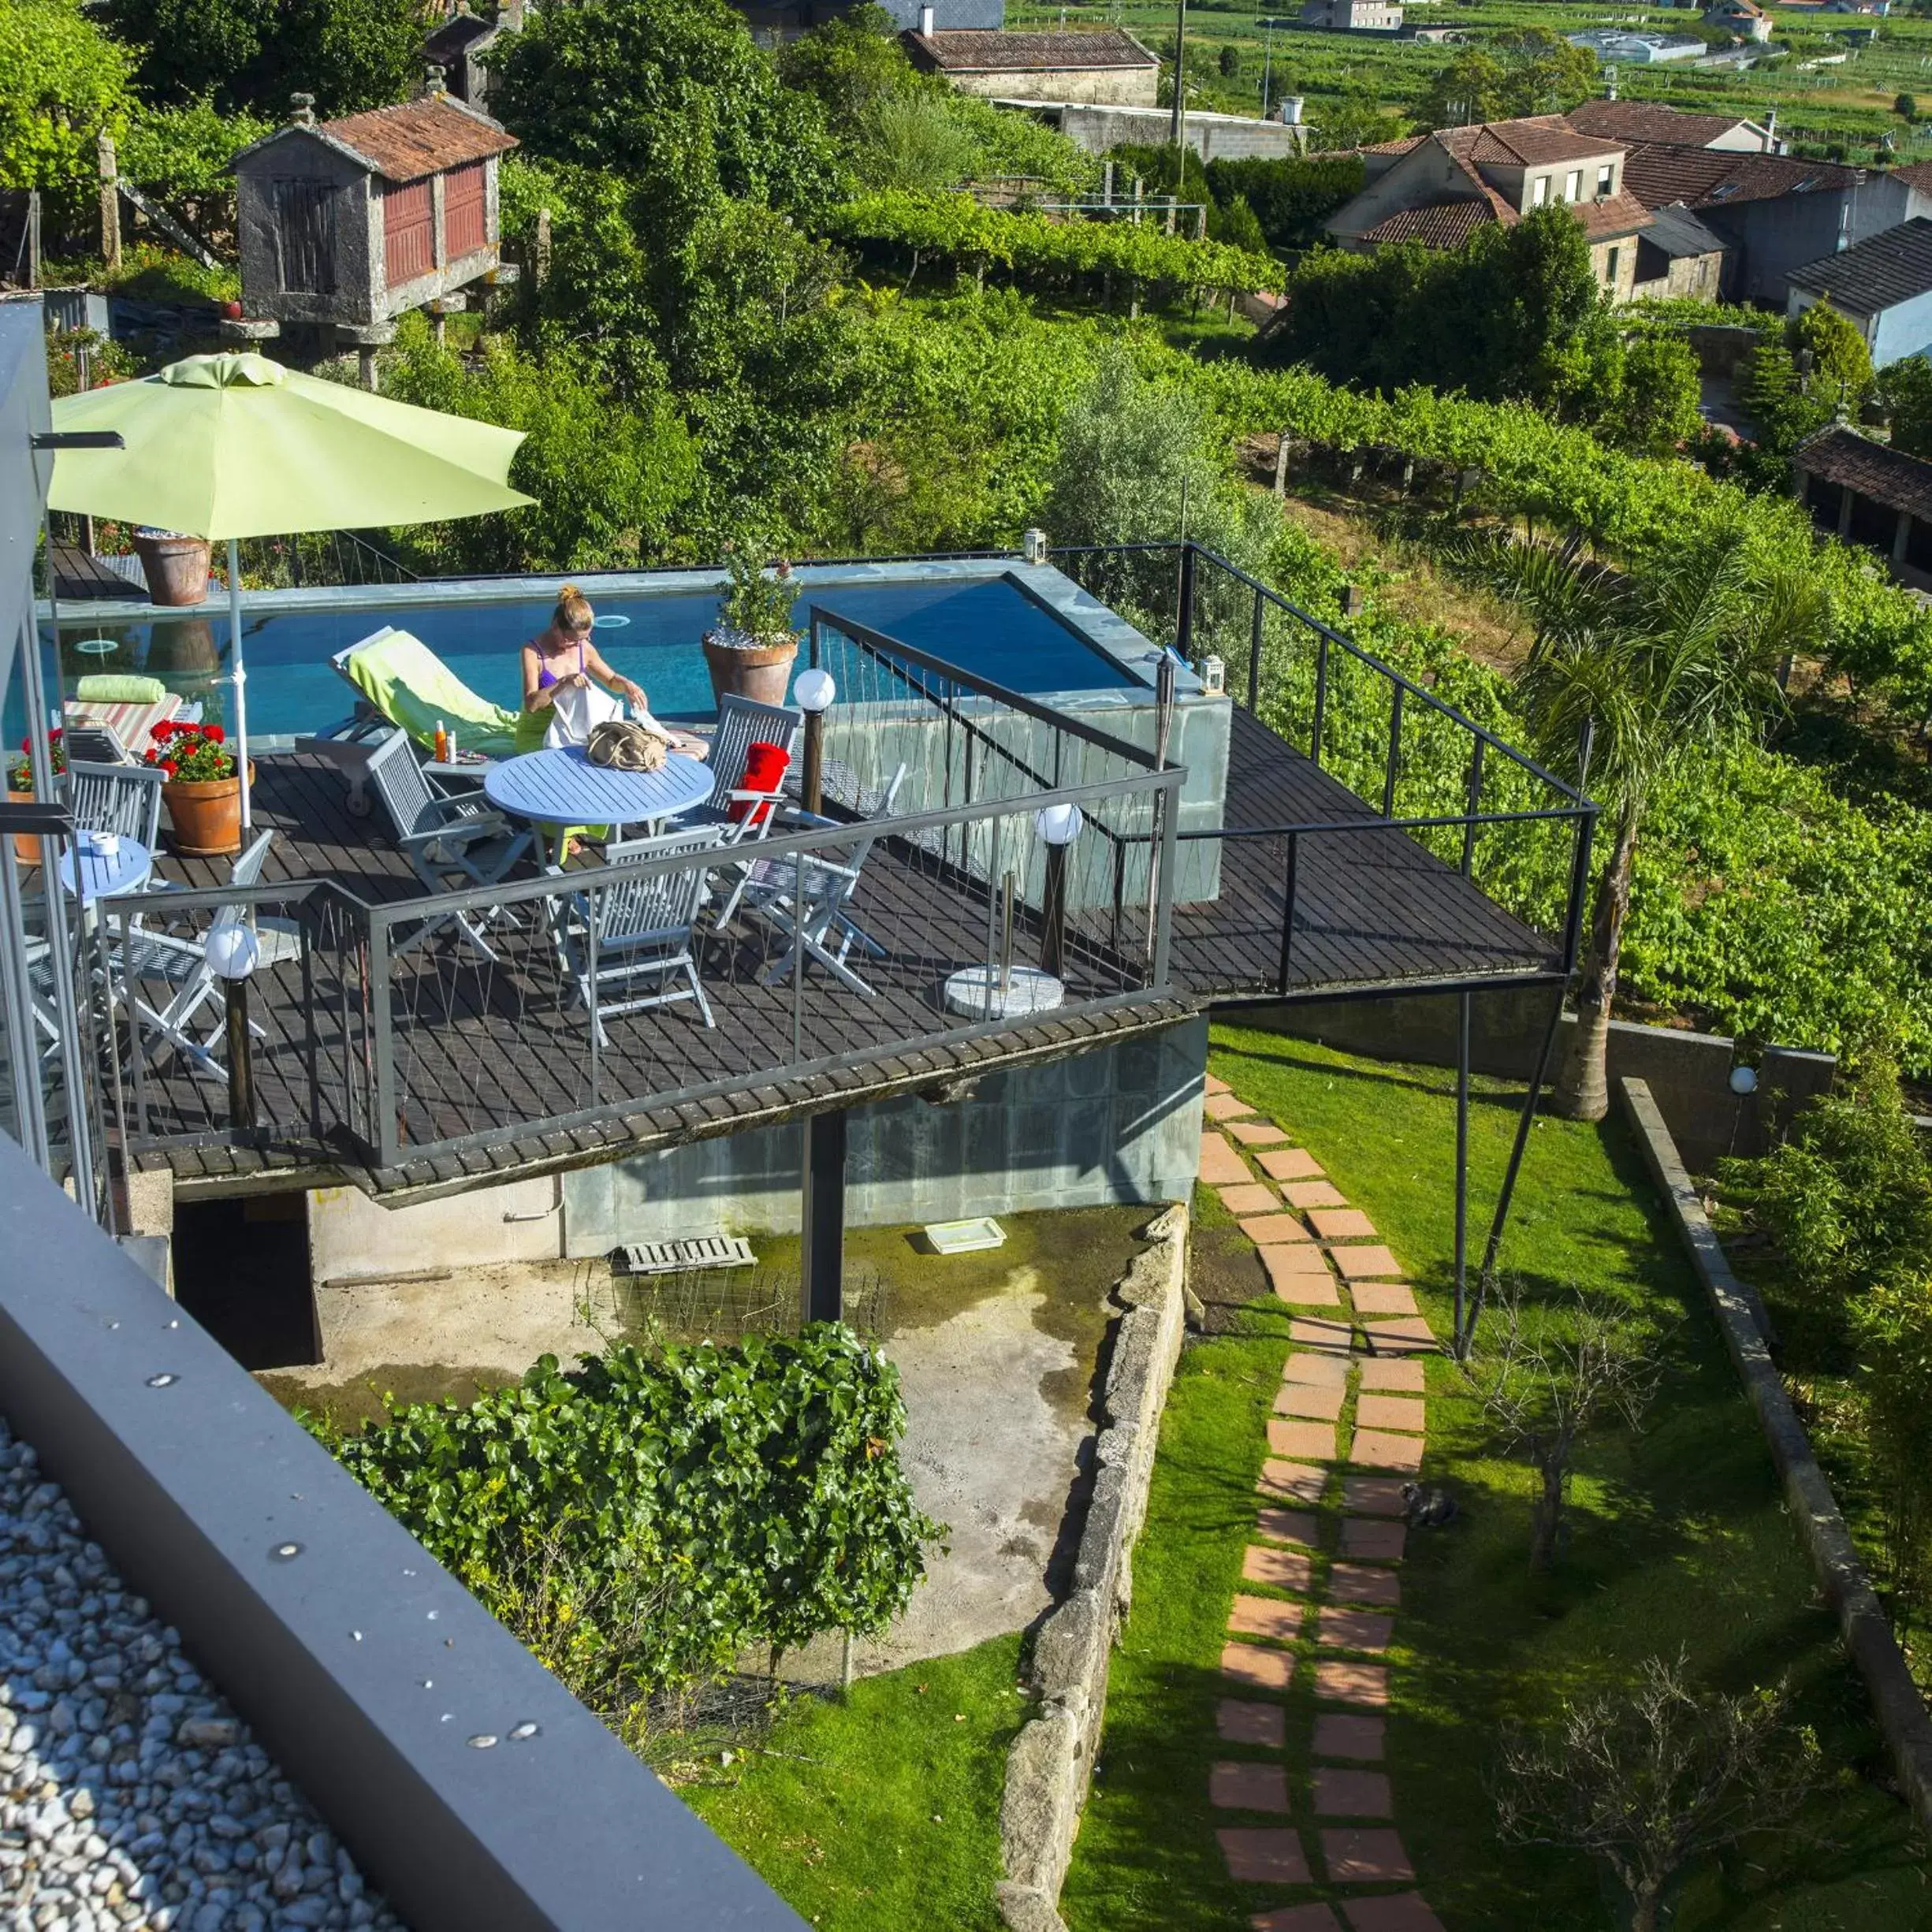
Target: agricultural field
<point>1346,78</point>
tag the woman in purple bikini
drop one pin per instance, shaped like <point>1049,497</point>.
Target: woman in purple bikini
<point>563,655</point>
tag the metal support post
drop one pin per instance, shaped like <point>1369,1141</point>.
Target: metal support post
<point>1524,1121</point>
<point>821,1247</point>
<point>814,782</point>
<point>1288,911</point>
<point>240,1059</point>
<point>1462,1170</point>
<point>1184,614</point>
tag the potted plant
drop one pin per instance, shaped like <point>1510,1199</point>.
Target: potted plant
<point>175,566</point>
<point>203,790</point>
<point>751,650</point>
<point>20,790</point>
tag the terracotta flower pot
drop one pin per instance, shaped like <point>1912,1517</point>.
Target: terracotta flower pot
<point>206,816</point>
<point>176,567</point>
<point>26,844</point>
<point>745,666</point>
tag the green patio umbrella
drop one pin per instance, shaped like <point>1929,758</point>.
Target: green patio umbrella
<point>225,447</point>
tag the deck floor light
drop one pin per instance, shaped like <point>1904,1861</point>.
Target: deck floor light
<point>1059,825</point>
<point>813,692</point>
<point>232,949</point>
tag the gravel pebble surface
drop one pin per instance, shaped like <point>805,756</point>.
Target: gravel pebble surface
<point>132,1797</point>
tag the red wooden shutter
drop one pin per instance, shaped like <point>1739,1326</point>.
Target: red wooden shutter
<point>408,232</point>
<point>464,204</point>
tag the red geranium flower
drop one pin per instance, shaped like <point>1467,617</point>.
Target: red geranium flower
<point>214,733</point>
<point>167,765</point>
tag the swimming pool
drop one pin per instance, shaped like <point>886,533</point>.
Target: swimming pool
<point>989,622</point>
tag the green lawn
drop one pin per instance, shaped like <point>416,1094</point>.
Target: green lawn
<point>1680,1539</point>
<point>882,1814</point>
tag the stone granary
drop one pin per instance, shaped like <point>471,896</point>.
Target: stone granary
<point>458,42</point>
<point>344,225</point>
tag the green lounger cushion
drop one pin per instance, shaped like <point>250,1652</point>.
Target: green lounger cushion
<point>412,687</point>
<point>110,687</point>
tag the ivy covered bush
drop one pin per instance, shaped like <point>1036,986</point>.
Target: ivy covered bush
<point>641,1520</point>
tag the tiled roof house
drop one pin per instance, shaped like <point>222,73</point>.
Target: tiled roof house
<point>1439,188</point>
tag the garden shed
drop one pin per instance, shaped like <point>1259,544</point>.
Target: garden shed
<point>351,222</point>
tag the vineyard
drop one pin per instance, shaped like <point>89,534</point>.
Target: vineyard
<point>955,228</point>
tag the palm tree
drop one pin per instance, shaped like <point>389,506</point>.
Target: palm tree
<point>1675,664</point>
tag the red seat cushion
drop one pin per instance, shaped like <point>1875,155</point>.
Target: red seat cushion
<point>765,771</point>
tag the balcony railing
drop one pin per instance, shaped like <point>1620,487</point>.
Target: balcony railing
<point>383,1035</point>
<point>1409,777</point>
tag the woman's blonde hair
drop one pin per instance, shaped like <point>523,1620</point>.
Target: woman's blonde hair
<point>573,612</point>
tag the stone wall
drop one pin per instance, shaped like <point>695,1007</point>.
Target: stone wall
<point>1051,1760</point>
<point>1688,1074</point>
<point>1119,1124</point>
<point>1125,87</point>
<point>1214,137</point>
<point>1896,1700</point>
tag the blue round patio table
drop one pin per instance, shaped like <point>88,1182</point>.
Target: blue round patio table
<point>102,874</point>
<point>562,787</point>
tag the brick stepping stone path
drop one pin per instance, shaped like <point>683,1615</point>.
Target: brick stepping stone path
<point>1318,1611</point>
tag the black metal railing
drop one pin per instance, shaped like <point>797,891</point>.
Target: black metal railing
<point>1413,778</point>
<point>378,1031</point>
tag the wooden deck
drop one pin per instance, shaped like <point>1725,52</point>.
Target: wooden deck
<point>486,1050</point>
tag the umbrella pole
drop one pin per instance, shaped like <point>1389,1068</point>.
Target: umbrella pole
<point>240,673</point>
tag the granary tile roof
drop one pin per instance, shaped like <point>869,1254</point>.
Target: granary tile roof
<point>968,49</point>
<point>1886,269</point>
<point>1658,174</point>
<point>1650,120</point>
<point>1917,174</point>
<point>405,142</point>
<point>1888,476</point>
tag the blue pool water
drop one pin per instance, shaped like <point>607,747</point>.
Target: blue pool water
<point>987,625</point>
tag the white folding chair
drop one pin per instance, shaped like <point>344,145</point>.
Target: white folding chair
<point>637,926</point>
<point>809,902</point>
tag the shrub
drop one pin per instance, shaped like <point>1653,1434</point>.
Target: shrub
<point>680,1507</point>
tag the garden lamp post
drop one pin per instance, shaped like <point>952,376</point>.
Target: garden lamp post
<point>1059,825</point>
<point>232,949</point>
<point>813,692</point>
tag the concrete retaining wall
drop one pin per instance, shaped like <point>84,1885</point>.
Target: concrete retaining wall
<point>1688,1074</point>
<point>1214,137</point>
<point>1051,1760</point>
<point>1120,1124</point>
<point>1895,1700</point>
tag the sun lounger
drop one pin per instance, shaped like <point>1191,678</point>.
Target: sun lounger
<point>401,678</point>
<point>130,707</point>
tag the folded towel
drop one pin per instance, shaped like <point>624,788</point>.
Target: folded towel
<point>120,687</point>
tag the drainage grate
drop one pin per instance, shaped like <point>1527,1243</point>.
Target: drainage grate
<point>670,1257</point>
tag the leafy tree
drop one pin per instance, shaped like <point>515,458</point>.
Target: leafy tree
<point>187,149</point>
<point>1906,107</point>
<point>252,54</point>
<point>1291,198</point>
<point>1842,363</point>
<point>1656,407</point>
<point>1531,70</point>
<point>1236,225</point>
<point>1356,117</point>
<point>852,64</point>
<point>672,95</point>
<point>1229,61</point>
<point>1656,1777</point>
<point>1905,388</point>
<point>62,83</point>
<point>613,476</point>
<point>1516,312</point>
<point>1668,667</point>
<point>1894,1327</point>
<point>1781,408</point>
